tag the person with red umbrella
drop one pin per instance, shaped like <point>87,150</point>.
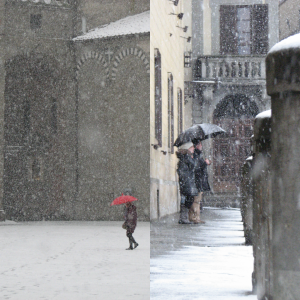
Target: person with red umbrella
<point>130,218</point>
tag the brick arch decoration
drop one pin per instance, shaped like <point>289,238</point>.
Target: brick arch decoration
<point>126,52</point>
<point>236,105</point>
<point>92,55</point>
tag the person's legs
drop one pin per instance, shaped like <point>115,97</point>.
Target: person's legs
<point>201,203</point>
<point>182,199</point>
<point>189,201</point>
<point>134,242</point>
<point>183,218</point>
<point>194,211</point>
<point>129,235</point>
<point>131,241</point>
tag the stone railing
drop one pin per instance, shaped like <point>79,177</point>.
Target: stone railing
<point>229,67</point>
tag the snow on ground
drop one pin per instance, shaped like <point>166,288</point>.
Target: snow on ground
<point>201,262</point>
<point>73,260</point>
<point>203,273</point>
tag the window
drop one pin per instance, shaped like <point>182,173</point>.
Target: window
<point>180,110</point>
<point>170,114</point>
<point>198,69</point>
<point>244,29</point>
<point>35,21</point>
<point>158,105</point>
<point>187,59</point>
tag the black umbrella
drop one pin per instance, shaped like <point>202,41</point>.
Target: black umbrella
<point>198,132</point>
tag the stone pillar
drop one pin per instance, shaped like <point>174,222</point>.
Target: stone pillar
<point>262,219</point>
<point>247,200</point>
<point>283,85</point>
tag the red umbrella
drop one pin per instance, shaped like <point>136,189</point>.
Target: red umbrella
<point>123,199</point>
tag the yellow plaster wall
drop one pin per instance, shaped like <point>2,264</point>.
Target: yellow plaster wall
<point>166,37</point>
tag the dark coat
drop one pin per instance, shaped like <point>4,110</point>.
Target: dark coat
<point>201,175</point>
<point>130,219</point>
<point>186,173</point>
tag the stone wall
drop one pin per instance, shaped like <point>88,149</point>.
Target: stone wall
<point>40,131</point>
<point>288,18</point>
<point>113,128</point>
<point>76,123</point>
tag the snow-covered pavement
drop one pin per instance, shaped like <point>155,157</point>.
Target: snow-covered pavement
<point>201,262</point>
<point>73,260</point>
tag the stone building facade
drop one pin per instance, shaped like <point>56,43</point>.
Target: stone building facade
<point>289,19</point>
<point>76,111</point>
<point>228,85</point>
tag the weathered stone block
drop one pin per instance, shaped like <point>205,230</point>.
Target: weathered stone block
<point>262,221</point>
<point>283,77</point>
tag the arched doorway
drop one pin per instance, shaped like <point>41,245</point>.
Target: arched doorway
<point>235,113</point>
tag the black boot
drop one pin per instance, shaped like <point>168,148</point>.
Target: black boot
<point>184,215</point>
<point>133,242</point>
<point>129,235</point>
<point>130,246</point>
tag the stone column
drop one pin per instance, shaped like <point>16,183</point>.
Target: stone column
<point>283,85</point>
<point>262,219</point>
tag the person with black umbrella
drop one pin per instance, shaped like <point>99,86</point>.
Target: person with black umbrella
<point>201,180</point>
<point>187,185</point>
<point>188,139</point>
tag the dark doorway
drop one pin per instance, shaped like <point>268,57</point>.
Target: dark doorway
<point>235,113</point>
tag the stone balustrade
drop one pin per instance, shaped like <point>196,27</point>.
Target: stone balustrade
<point>229,67</point>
